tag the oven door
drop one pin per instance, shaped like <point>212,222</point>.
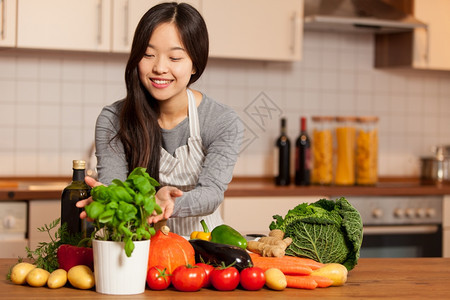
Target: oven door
<point>402,241</point>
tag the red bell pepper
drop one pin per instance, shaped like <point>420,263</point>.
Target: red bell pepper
<point>70,256</point>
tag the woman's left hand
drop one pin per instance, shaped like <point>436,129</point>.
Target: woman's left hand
<point>165,198</point>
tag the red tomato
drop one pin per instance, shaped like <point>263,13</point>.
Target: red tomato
<point>225,279</point>
<point>208,268</point>
<point>188,278</point>
<point>157,278</point>
<point>252,278</point>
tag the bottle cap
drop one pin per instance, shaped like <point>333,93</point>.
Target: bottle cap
<point>345,119</point>
<point>322,118</point>
<point>367,119</point>
<point>79,164</point>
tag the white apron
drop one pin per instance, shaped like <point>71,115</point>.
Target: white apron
<point>182,171</point>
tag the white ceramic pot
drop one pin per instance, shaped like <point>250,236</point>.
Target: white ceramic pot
<point>117,274</point>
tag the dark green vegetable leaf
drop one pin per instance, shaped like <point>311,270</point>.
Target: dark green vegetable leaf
<point>129,246</point>
<point>326,231</point>
<point>126,211</point>
<point>100,193</point>
<point>106,216</point>
<point>95,209</point>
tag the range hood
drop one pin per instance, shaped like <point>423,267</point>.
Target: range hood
<point>373,16</point>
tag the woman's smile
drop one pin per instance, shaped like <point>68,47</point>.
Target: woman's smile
<point>160,83</point>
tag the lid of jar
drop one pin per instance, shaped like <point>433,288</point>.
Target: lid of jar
<point>322,118</point>
<point>367,119</point>
<point>79,164</point>
<point>345,119</point>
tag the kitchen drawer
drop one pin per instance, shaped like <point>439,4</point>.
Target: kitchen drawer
<point>254,214</point>
<point>42,212</point>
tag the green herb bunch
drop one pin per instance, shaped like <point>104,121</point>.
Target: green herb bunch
<point>120,210</point>
<point>45,254</point>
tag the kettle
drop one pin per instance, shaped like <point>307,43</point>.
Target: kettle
<point>436,169</point>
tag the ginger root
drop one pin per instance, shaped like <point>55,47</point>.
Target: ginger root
<point>273,245</point>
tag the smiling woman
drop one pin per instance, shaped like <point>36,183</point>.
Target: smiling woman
<point>165,71</point>
<point>185,140</point>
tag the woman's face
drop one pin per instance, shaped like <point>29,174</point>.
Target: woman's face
<point>166,68</point>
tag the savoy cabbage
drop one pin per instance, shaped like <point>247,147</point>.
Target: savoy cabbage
<point>326,231</point>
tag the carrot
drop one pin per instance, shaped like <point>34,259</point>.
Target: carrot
<point>289,260</point>
<point>305,261</point>
<point>301,282</point>
<point>322,282</point>
<point>286,266</point>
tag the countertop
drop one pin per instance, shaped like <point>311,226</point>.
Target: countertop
<point>51,188</point>
<point>374,278</point>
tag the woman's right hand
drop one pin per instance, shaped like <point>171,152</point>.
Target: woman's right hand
<point>82,203</point>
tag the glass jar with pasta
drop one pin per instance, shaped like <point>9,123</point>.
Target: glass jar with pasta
<point>367,150</point>
<point>322,150</point>
<point>345,150</point>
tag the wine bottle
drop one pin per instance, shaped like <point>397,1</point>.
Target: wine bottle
<point>283,161</point>
<point>303,156</point>
<point>75,191</point>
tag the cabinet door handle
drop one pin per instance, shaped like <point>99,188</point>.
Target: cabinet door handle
<point>2,33</point>
<point>125,23</point>
<point>295,22</point>
<point>100,21</point>
<point>422,44</point>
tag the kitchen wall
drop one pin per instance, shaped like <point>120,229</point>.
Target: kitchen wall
<point>49,102</point>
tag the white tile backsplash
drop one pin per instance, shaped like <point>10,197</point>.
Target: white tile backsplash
<point>27,91</point>
<point>7,114</point>
<point>49,102</point>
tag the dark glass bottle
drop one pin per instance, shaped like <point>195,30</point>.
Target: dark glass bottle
<point>283,151</point>
<point>75,191</point>
<point>303,156</point>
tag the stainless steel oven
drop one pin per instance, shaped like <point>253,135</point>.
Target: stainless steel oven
<point>401,226</point>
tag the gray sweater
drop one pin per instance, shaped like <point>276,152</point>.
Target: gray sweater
<point>221,132</point>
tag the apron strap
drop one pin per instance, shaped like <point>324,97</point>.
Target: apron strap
<point>194,124</point>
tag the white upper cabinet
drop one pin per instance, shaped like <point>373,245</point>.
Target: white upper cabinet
<point>254,29</point>
<point>82,25</point>
<point>432,46</point>
<point>126,16</point>
<point>423,48</point>
<point>240,29</point>
<point>8,23</point>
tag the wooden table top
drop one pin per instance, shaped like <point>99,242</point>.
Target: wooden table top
<point>374,278</point>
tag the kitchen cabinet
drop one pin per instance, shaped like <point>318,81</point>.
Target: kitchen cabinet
<point>8,23</point>
<point>126,16</point>
<point>41,212</point>
<point>253,215</point>
<point>424,48</point>
<point>251,29</point>
<point>254,29</point>
<point>446,226</point>
<point>83,25</point>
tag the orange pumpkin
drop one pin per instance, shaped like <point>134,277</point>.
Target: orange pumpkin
<point>170,250</point>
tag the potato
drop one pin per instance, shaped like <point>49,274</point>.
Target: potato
<point>336,272</point>
<point>81,277</point>
<point>57,279</point>
<point>275,279</point>
<point>20,271</point>
<point>38,277</point>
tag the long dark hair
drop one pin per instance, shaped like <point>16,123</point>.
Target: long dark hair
<point>139,130</point>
